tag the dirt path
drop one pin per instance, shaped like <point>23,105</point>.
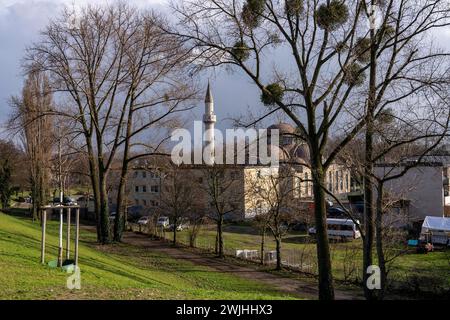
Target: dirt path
<point>288,285</point>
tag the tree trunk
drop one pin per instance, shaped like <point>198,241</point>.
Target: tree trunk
<point>220,237</point>
<point>278,248</point>
<point>368,227</point>
<point>34,205</point>
<point>326,288</point>
<point>379,242</point>
<point>175,221</point>
<point>96,193</point>
<point>368,172</point>
<point>263,240</point>
<point>119,224</point>
<point>104,209</point>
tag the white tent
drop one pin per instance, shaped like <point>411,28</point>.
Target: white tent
<point>438,228</point>
<point>436,224</point>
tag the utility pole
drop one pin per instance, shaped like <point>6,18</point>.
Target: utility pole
<point>61,192</point>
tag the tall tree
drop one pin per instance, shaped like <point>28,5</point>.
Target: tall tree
<point>179,196</point>
<point>271,191</point>
<point>110,68</point>
<point>220,185</point>
<point>31,117</point>
<point>403,76</point>
<point>6,189</point>
<point>323,90</point>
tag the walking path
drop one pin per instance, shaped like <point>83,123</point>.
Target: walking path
<point>291,286</point>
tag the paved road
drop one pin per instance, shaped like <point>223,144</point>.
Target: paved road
<point>295,287</point>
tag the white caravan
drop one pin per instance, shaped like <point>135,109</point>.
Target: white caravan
<point>340,229</point>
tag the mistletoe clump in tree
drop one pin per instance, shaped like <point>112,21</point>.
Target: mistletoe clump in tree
<point>331,16</point>
<point>241,51</point>
<point>353,76</point>
<point>251,13</point>
<point>273,93</point>
<point>294,7</point>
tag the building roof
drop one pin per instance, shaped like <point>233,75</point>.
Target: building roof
<point>209,97</point>
<point>284,128</point>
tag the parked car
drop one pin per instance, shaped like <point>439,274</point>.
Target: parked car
<point>144,220</point>
<point>340,229</point>
<point>67,201</point>
<point>183,224</point>
<point>163,222</point>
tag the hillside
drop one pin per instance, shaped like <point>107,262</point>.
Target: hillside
<point>109,272</point>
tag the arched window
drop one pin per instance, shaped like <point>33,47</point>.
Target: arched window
<point>330,181</point>
<point>336,181</point>
<point>306,184</point>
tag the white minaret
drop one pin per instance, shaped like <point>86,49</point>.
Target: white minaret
<point>209,119</point>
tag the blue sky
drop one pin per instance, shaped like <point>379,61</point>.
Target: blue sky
<point>21,20</point>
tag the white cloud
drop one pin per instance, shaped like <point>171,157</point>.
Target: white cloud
<point>20,22</point>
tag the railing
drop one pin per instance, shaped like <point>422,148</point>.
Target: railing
<point>68,211</point>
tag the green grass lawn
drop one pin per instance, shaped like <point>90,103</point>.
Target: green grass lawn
<point>299,249</point>
<point>108,272</point>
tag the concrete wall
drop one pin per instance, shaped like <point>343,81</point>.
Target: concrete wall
<point>422,186</point>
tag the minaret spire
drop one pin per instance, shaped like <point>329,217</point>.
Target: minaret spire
<point>209,119</point>
<point>209,97</point>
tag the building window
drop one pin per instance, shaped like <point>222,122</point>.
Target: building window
<point>341,182</point>
<point>136,174</point>
<point>330,181</point>
<point>154,189</point>
<point>297,187</point>
<point>154,203</point>
<point>144,174</point>
<point>306,183</point>
<point>347,182</point>
<point>144,203</point>
<point>144,189</point>
<point>136,188</point>
<point>336,182</point>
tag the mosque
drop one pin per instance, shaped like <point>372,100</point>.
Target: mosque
<point>245,189</point>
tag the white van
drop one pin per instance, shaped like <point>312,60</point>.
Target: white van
<point>340,229</point>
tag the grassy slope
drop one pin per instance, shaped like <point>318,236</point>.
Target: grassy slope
<point>435,265</point>
<point>108,272</point>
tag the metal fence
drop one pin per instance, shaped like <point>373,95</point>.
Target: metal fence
<point>346,259</point>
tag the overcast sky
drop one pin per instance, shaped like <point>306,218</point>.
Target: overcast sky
<point>21,20</point>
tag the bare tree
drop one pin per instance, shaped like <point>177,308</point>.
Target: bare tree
<point>219,185</point>
<point>111,69</point>
<point>404,139</point>
<point>178,196</point>
<point>31,118</point>
<point>271,192</point>
<point>324,90</point>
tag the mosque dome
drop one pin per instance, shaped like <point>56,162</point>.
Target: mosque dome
<point>284,128</point>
